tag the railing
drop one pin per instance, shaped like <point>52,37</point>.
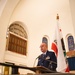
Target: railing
<point>16,67</point>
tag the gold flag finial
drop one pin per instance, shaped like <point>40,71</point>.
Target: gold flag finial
<point>57,17</point>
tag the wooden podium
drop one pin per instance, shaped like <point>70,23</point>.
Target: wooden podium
<point>37,70</point>
<point>41,69</point>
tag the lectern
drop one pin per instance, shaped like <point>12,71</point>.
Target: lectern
<point>41,69</point>
<point>37,70</point>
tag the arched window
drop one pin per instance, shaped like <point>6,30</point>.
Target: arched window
<point>45,40</point>
<point>17,39</point>
<point>70,40</point>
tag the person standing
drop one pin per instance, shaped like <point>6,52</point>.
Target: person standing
<point>47,58</point>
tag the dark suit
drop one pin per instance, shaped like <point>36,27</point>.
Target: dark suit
<point>49,60</point>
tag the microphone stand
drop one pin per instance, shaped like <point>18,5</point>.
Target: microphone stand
<point>34,62</point>
<point>36,59</point>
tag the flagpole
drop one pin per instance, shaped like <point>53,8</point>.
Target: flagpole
<point>64,51</point>
<point>57,17</point>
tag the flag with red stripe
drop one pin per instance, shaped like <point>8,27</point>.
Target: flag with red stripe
<point>54,47</point>
<point>59,48</point>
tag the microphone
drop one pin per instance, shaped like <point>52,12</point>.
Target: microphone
<point>38,57</point>
<point>47,59</point>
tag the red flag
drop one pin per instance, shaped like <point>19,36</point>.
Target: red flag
<point>54,48</point>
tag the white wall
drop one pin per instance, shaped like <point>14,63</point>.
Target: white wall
<point>5,15</point>
<point>39,17</point>
<point>72,7</point>
<point>4,21</point>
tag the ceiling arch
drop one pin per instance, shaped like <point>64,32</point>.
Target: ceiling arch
<point>8,9</point>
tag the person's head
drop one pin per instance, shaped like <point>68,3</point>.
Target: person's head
<point>43,47</point>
